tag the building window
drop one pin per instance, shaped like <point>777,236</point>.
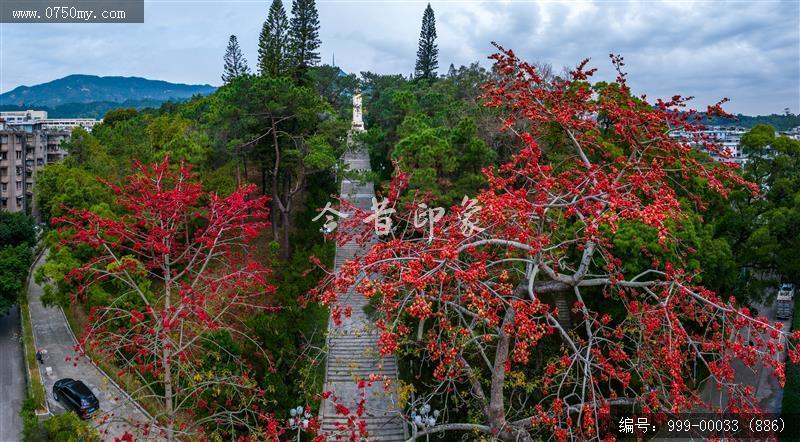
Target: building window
<point>3,156</point>
<point>4,187</point>
<point>19,185</point>
<point>19,154</point>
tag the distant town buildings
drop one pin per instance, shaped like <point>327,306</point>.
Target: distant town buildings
<point>727,137</point>
<point>26,120</point>
<point>22,153</point>
<point>22,117</point>
<point>68,123</point>
<point>793,133</point>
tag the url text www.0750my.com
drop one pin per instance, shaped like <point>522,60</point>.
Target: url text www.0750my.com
<point>67,13</point>
<point>72,11</point>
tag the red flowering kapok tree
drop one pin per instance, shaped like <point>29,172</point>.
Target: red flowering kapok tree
<point>479,305</point>
<point>179,282</point>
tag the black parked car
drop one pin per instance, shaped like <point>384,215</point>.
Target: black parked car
<point>76,396</point>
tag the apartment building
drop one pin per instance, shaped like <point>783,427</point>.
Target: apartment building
<point>728,138</point>
<point>21,154</point>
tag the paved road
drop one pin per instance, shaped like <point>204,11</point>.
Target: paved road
<point>12,377</point>
<point>767,391</point>
<point>52,334</point>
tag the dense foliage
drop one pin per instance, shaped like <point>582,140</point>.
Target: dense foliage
<point>17,237</point>
<point>65,427</point>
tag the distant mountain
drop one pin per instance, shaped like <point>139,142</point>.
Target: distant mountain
<point>91,88</point>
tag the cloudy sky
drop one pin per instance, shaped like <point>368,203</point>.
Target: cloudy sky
<point>748,51</point>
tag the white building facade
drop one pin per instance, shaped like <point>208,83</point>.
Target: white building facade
<point>728,138</point>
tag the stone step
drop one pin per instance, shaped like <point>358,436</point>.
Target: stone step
<point>355,347</point>
<point>354,338</point>
<point>379,420</point>
<point>376,434</point>
<point>353,344</point>
<point>360,365</point>
<point>353,374</point>
<point>371,363</point>
<point>363,365</point>
<point>356,375</point>
<point>372,424</point>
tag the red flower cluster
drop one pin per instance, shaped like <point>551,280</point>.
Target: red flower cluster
<point>590,160</point>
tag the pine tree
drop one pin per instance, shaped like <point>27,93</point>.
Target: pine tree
<point>428,52</point>
<point>304,35</point>
<point>273,42</point>
<point>451,72</point>
<point>235,63</point>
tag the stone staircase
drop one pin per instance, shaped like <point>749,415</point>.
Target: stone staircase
<point>563,305</point>
<point>353,345</point>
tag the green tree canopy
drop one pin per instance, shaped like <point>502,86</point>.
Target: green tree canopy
<point>235,63</point>
<point>14,261</point>
<point>273,42</point>
<point>16,229</point>
<point>428,51</point>
<point>304,36</point>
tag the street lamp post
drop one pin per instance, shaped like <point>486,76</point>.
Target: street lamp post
<point>299,419</point>
<point>425,419</point>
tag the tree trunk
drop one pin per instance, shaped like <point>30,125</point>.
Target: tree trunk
<point>168,400</point>
<point>496,411</point>
<point>273,214</point>
<point>264,179</point>
<point>169,407</point>
<point>238,170</point>
<point>285,250</point>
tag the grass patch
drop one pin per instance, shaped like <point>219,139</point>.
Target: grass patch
<point>791,391</point>
<point>66,427</point>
